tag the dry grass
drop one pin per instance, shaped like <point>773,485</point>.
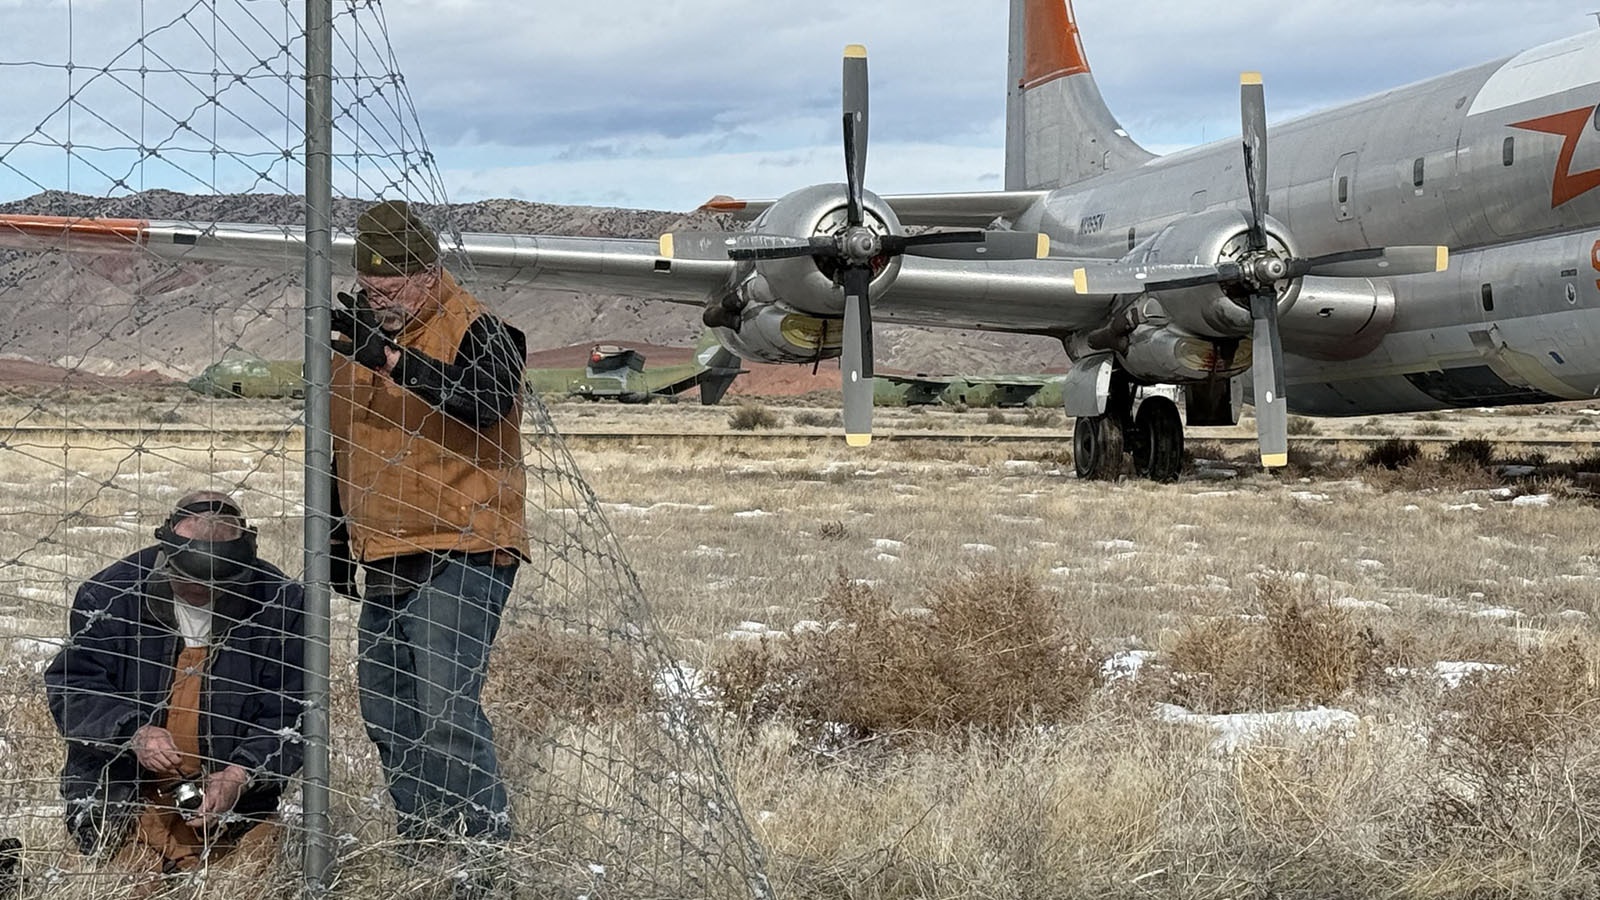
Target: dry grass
<point>983,753</point>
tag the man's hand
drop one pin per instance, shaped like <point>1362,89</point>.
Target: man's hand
<point>222,793</point>
<point>364,341</point>
<point>155,750</point>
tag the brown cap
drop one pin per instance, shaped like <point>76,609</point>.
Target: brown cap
<point>392,241</point>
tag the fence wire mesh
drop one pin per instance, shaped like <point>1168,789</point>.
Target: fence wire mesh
<point>134,380</point>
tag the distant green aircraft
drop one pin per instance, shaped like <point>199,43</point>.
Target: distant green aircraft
<point>613,373</point>
<point>971,390</point>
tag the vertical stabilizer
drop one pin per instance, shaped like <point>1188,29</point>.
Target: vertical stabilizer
<point>1058,129</point>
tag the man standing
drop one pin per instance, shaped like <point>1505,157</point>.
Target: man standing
<point>426,418</point>
<point>182,670</point>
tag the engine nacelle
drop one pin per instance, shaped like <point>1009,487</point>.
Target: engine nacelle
<point>1208,238</point>
<point>1155,353</point>
<point>1337,318</point>
<point>768,333</point>
<point>801,283</point>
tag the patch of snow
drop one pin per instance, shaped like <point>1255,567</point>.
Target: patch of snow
<point>1453,673</point>
<point>712,552</point>
<point>1125,664</point>
<point>1411,507</point>
<point>1358,603</point>
<point>1533,500</point>
<point>888,545</point>
<point>1370,565</point>
<point>1240,729</point>
<point>1309,497</point>
<point>753,514</point>
<point>807,626</point>
<point>1021,465</point>
<point>1497,612</point>
<point>1062,571</point>
<point>979,548</point>
<point>1499,493</point>
<point>1017,520</point>
<point>907,489</point>
<point>1458,507</point>
<point>1116,546</point>
<point>886,558</point>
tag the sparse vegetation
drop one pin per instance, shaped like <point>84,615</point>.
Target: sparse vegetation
<point>750,415</point>
<point>1301,425</point>
<point>1394,453</point>
<point>812,419</point>
<point>1470,451</point>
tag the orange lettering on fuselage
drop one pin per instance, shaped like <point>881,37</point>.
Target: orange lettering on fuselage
<point>1569,125</point>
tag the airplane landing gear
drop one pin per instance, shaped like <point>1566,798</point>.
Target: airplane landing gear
<point>1154,438</point>
<point>1097,447</point>
<point>1156,441</point>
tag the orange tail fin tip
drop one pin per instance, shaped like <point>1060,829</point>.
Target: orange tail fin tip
<point>1054,47</point>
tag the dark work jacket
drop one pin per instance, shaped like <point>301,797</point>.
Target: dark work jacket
<point>115,674</point>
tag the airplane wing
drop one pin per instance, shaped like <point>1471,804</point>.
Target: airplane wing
<point>967,210</point>
<point>1033,296</point>
<point>615,265</point>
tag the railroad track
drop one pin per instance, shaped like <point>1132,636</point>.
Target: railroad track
<point>291,440</point>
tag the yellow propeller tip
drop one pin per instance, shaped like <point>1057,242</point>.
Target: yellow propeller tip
<point>1274,460</point>
<point>855,51</point>
<point>1443,262</point>
<point>1044,245</point>
<point>858,440</point>
<point>666,245</point>
<point>1250,78</point>
<point>1080,280</point>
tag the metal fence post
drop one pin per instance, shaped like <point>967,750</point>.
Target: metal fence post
<point>319,445</point>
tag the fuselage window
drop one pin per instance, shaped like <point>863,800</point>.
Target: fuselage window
<point>1344,188</point>
<point>1487,292</point>
<point>1508,151</point>
<point>1416,173</point>
<point>1130,238</point>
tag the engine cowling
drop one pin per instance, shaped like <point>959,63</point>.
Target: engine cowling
<point>801,283</point>
<point>768,333</point>
<point>1209,238</point>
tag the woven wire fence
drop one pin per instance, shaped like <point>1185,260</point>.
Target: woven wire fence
<point>130,380</point>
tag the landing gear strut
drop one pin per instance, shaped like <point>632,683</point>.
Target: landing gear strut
<point>1154,437</point>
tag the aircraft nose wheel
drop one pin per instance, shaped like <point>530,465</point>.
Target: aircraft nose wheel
<point>1158,447</point>
<point>1097,447</point>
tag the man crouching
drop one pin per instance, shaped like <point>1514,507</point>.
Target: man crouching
<point>179,692</point>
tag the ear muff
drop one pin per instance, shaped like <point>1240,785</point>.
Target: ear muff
<point>211,562</point>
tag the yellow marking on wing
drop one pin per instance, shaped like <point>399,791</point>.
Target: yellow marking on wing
<point>858,440</point>
<point>666,245</point>
<point>855,51</point>
<point>1044,245</point>
<point>1274,460</point>
<point>1080,280</point>
<point>1443,262</point>
<point>1250,78</point>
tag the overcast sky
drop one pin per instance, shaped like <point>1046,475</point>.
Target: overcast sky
<point>662,104</point>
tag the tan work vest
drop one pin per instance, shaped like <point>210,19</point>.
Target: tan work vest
<point>412,478</point>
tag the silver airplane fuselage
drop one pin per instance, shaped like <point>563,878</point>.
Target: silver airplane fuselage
<point>1499,162</point>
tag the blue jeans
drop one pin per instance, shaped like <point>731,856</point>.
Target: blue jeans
<point>423,656</point>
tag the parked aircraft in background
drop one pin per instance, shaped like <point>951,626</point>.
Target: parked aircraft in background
<point>1320,282</point>
<point>968,390</point>
<point>612,373</point>
<point>619,373</point>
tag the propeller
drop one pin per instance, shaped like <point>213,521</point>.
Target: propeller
<point>1256,273</point>
<point>855,252</point>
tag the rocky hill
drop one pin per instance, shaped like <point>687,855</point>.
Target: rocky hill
<point>113,315</point>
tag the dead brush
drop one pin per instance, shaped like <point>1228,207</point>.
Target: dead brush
<point>1301,651</point>
<point>571,677</point>
<point>991,655</point>
<point>1515,750</point>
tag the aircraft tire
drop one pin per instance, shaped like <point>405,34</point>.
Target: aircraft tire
<point>1097,448</point>
<point>1158,451</point>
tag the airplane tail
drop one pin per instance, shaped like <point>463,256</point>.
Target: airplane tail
<point>1058,129</point>
<point>721,370</point>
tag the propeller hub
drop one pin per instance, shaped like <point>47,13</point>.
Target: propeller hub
<point>1269,269</point>
<point>860,244</point>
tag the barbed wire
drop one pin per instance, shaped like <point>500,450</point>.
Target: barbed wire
<point>190,112</point>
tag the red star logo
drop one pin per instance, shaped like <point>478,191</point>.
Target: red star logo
<point>1569,125</point>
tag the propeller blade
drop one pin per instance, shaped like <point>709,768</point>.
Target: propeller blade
<point>856,358</point>
<point>855,127</point>
<point>1139,279</point>
<point>1374,262</point>
<point>973,245</point>
<point>1272,410</point>
<point>1253,112</point>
